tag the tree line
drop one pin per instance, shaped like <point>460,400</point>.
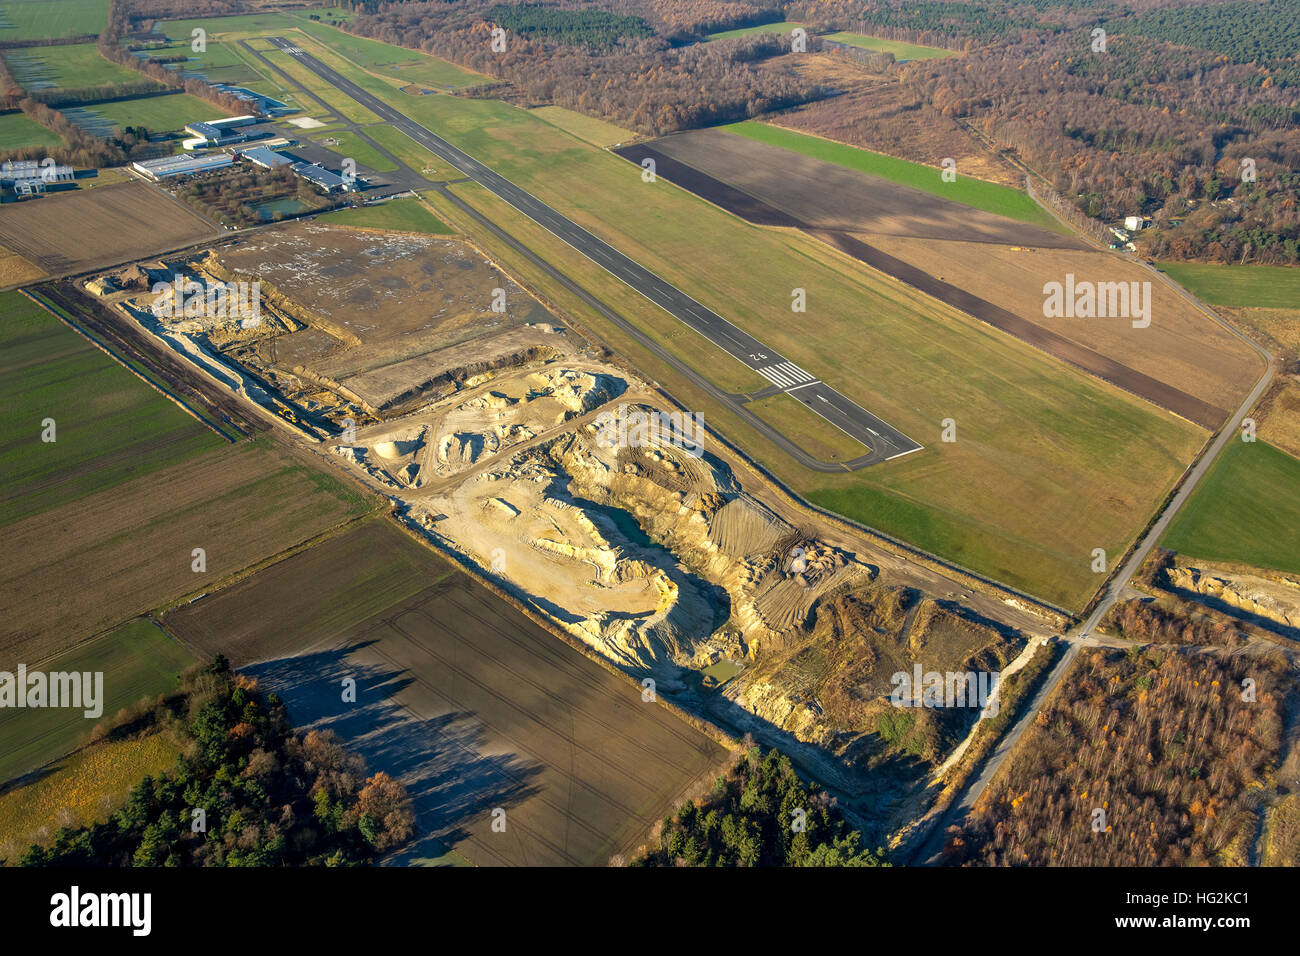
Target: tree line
<point>759,814</point>
<point>265,795</point>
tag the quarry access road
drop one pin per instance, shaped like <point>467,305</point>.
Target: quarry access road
<point>884,441</point>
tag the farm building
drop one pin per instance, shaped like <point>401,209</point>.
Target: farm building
<point>159,169</point>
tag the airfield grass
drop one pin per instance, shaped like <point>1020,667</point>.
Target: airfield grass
<point>724,371</point>
<point>158,114</point>
<point>587,128</point>
<point>137,660</point>
<point>410,66</point>
<point>976,193</point>
<point>41,19</point>
<point>785,26</point>
<point>72,66</point>
<point>901,51</point>
<point>401,215</point>
<point>16,131</point>
<point>82,789</point>
<point>352,146</point>
<point>1245,511</point>
<point>1265,287</point>
<point>109,426</point>
<point>409,152</point>
<point>807,429</point>
<point>344,106</point>
<point>1050,463</point>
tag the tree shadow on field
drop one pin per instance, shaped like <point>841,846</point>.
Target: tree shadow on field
<point>440,759</point>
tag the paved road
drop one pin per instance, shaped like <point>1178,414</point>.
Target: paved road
<point>884,440</point>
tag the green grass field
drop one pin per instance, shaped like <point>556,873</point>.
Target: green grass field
<point>990,197</point>
<point>137,660</point>
<point>1265,287</point>
<point>352,146</point>
<point>68,67</point>
<point>401,215</point>
<point>807,429</point>
<point>1245,511</point>
<point>902,51</point>
<point>109,426</point>
<point>785,26</point>
<point>39,19</point>
<point>410,152</point>
<point>159,114</point>
<point>1050,463</point>
<point>17,130</point>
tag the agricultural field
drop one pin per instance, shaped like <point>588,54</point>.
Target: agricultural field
<point>110,426</point>
<point>1267,287</point>
<point>87,229</point>
<point>902,51</point>
<point>38,19</point>
<point>1245,511</point>
<point>129,488</point>
<point>989,197</point>
<point>241,504</point>
<point>138,661</point>
<point>581,765</point>
<point>74,66</point>
<point>399,215</point>
<point>16,130</point>
<point>15,270</point>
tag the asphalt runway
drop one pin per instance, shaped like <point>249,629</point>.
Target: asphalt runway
<point>883,440</point>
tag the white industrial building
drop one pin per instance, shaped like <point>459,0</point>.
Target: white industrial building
<point>168,166</point>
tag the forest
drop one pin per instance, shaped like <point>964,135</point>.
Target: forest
<point>268,796</point>
<point>1190,115</point>
<point>760,814</point>
<point>616,73</point>
<point>1153,756</point>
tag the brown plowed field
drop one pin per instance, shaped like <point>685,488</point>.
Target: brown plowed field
<point>467,701</point>
<point>80,230</point>
<point>82,567</point>
<point>826,196</point>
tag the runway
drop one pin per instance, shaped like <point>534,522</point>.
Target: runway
<point>884,441</point>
